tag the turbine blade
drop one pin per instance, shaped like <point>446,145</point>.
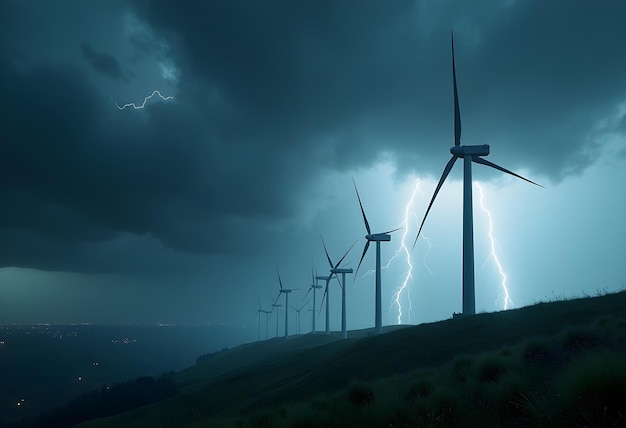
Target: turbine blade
<point>367,225</point>
<point>339,282</point>
<point>446,171</point>
<point>330,262</point>
<point>344,256</point>
<point>312,274</point>
<point>323,298</point>
<point>280,282</point>
<point>367,245</point>
<point>457,110</point>
<point>394,230</point>
<point>478,159</point>
<point>307,293</point>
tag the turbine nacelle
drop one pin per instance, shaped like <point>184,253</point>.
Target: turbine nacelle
<point>462,151</point>
<point>340,270</point>
<point>378,237</point>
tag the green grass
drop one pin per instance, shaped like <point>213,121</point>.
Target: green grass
<point>561,363</point>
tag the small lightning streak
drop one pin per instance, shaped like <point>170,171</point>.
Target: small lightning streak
<point>137,107</point>
<point>507,299</point>
<point>426,254</point>
<point>408,275</point>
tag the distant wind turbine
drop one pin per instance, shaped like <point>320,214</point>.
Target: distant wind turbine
<point>298,314</point>
<point>286,292</point>
<point>335,269</point>
<point>327,279</point>
<point>276,305</point>
<point>259,312</point>
<point>378,238</point>
<point>469,154</point>
<point>312,319</point>
<point>313,287</point>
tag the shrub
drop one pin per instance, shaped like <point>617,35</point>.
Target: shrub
<point>360,394</point>
<point>491,369</point>
<point>578,339</point>
<point>591,390</point>
<point>536,349</point>
<point>462,367</point>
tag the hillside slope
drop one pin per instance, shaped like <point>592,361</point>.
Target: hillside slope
<point>256,375</point>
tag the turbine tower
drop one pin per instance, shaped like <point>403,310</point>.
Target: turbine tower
<point>312,318</point>
<point>258,314</point>
<point>298,315</point>
<point>268,314</point>
<point>335,269</point>
<point>469,154</point>
<point>327,279</point>
<point>378,238</point>
<point>276,305</point>
<point>313,287</point>
<point>286,292</point>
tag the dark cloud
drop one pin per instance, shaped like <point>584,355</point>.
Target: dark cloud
<point>75,173</point>
<point>273,95</point>
<point>367,78</point>
<point>102,62</point>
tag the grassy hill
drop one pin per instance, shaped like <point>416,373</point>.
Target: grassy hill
<point>558,363</point>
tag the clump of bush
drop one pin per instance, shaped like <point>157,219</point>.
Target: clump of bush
<point>591,390</point>
<point>360,394</point>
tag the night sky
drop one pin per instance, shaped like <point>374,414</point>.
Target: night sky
<point>181,211</point>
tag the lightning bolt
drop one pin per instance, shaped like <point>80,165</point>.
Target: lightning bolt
<point>494,255</point>
<point>408,275</point>
<point>396,299</point>
<point>133,105</point>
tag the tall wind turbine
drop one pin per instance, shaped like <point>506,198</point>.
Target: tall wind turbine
<point>313,287</point>
<point>335,269</point>
<point>378,238</point>
<point>469,154</point>
<point>286,292</point>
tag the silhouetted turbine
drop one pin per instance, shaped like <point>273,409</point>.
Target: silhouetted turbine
<point>469,154</point>
<point>378,238</point>
<point>335,269</point>
<point>313,287</point>
<point>286,292</point>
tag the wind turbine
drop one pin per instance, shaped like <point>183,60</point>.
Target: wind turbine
<point>378,238</point>
<point>258,314</point>
<point>286,292</point>
<point>298,312</point>
<point>335,269</point>
<point>268,314</point>
<point>327,279</point>
<point>469,154</point>
<point>312,318</point>
<point>313,287</point>
<point>276,305</point>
